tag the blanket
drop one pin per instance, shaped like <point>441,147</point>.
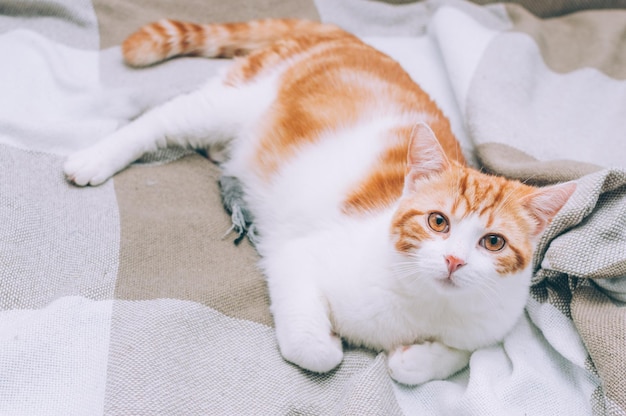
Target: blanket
<point>128,298</point>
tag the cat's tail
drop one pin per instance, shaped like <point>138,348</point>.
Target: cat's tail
<point>166,38</point>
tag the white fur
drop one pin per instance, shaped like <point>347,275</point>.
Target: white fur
<point>329,274</point>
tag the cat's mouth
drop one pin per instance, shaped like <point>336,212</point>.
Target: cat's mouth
<point>447,282</point>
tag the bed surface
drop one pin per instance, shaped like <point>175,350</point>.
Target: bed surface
<point>127,298</point>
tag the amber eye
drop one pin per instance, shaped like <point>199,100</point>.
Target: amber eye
<point>438,222</point>
<point>493,242</point>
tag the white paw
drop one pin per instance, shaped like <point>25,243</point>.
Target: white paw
<point>419,363</point>
<point>91,166</point>
<point>318,354</point>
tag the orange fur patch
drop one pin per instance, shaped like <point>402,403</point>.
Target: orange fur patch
<point>407,226</point>
<point>167,38</point>
<point>384,185</point>
<point>333,81</point>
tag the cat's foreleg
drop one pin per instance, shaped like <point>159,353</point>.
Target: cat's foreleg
<point>301,313</point>
<point>419,363</point>
<point>189,120</point>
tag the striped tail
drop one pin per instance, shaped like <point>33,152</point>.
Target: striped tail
<point>166,38</point>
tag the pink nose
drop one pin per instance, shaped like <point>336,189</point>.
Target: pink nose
<point>453,263</point>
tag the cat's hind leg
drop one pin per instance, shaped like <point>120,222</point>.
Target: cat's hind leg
<point>301,313</point>
<point>216,112</point>
<point>419,363</point>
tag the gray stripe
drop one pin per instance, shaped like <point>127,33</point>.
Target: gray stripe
<point>72,22</point>
<point>59,240</point>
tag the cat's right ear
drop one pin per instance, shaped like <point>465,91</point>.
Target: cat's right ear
<point>546,202</point>
<point>425,156</point>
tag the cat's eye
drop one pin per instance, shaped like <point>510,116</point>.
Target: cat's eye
<point>438,222</point>
<point>493,242</point>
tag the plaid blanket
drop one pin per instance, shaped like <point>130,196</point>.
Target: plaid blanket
<point>125,299</point>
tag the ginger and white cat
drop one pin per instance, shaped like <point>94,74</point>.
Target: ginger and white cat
<point>372,228</point>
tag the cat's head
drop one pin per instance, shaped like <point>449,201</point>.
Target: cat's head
<point>463,230</point>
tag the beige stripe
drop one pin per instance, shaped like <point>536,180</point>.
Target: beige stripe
<point>172,222</point>
<point>602,325</point>
<point>513,163</point>
<point>593,38</point>
<point>119,18</point>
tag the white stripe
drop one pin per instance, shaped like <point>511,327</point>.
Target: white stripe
<point>54,360</point>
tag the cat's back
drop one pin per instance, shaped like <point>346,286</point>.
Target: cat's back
<point>331,82</point>
<point>342,117</point>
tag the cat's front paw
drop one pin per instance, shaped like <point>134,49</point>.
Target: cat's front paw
<point>91,166</point>
<point>419,363</point>
<point>319,354</point>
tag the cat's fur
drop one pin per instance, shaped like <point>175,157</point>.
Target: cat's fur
<point>372,228</point>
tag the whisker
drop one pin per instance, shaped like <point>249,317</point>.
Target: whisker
<point>488,289</point>
<point>414,268</point>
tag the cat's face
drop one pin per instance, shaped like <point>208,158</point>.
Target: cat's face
<point>462,229</point>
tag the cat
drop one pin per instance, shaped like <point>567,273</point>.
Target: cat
<point>373,229</point>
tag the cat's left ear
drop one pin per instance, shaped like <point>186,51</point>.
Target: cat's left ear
<point>425,156</point>
<point>545,203</point>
